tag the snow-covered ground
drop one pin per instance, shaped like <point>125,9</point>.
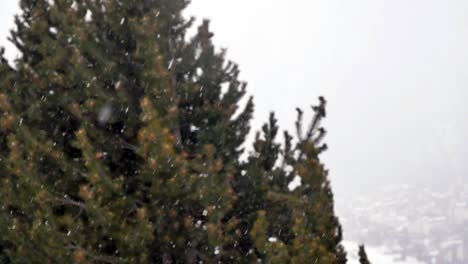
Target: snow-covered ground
<point>376,255</point>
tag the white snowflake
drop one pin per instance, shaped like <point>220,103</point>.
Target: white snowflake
<point>272,239</point>
<point>89,16</point>
<point>53,30</point>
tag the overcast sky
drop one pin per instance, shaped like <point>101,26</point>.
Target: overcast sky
<point>395,73</point>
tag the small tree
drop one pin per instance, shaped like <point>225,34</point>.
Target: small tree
<point>120,145</point>
<point>363,255</point>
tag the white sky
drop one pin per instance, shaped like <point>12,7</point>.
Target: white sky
<point>394,72</point>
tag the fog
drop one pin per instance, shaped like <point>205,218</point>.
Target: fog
<point>394,73</point>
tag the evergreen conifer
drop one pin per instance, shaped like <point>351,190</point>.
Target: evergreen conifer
<point>363,255</point>
<point>121,142</point>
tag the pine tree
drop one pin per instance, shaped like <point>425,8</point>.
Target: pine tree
<point>121,143</point>
<point>302,222</point>
<point>363,255</point>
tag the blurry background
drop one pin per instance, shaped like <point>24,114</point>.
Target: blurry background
<point>395,74</point>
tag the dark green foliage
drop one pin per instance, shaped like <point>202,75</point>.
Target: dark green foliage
<point>363,255</point>
<point>120,145</point>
